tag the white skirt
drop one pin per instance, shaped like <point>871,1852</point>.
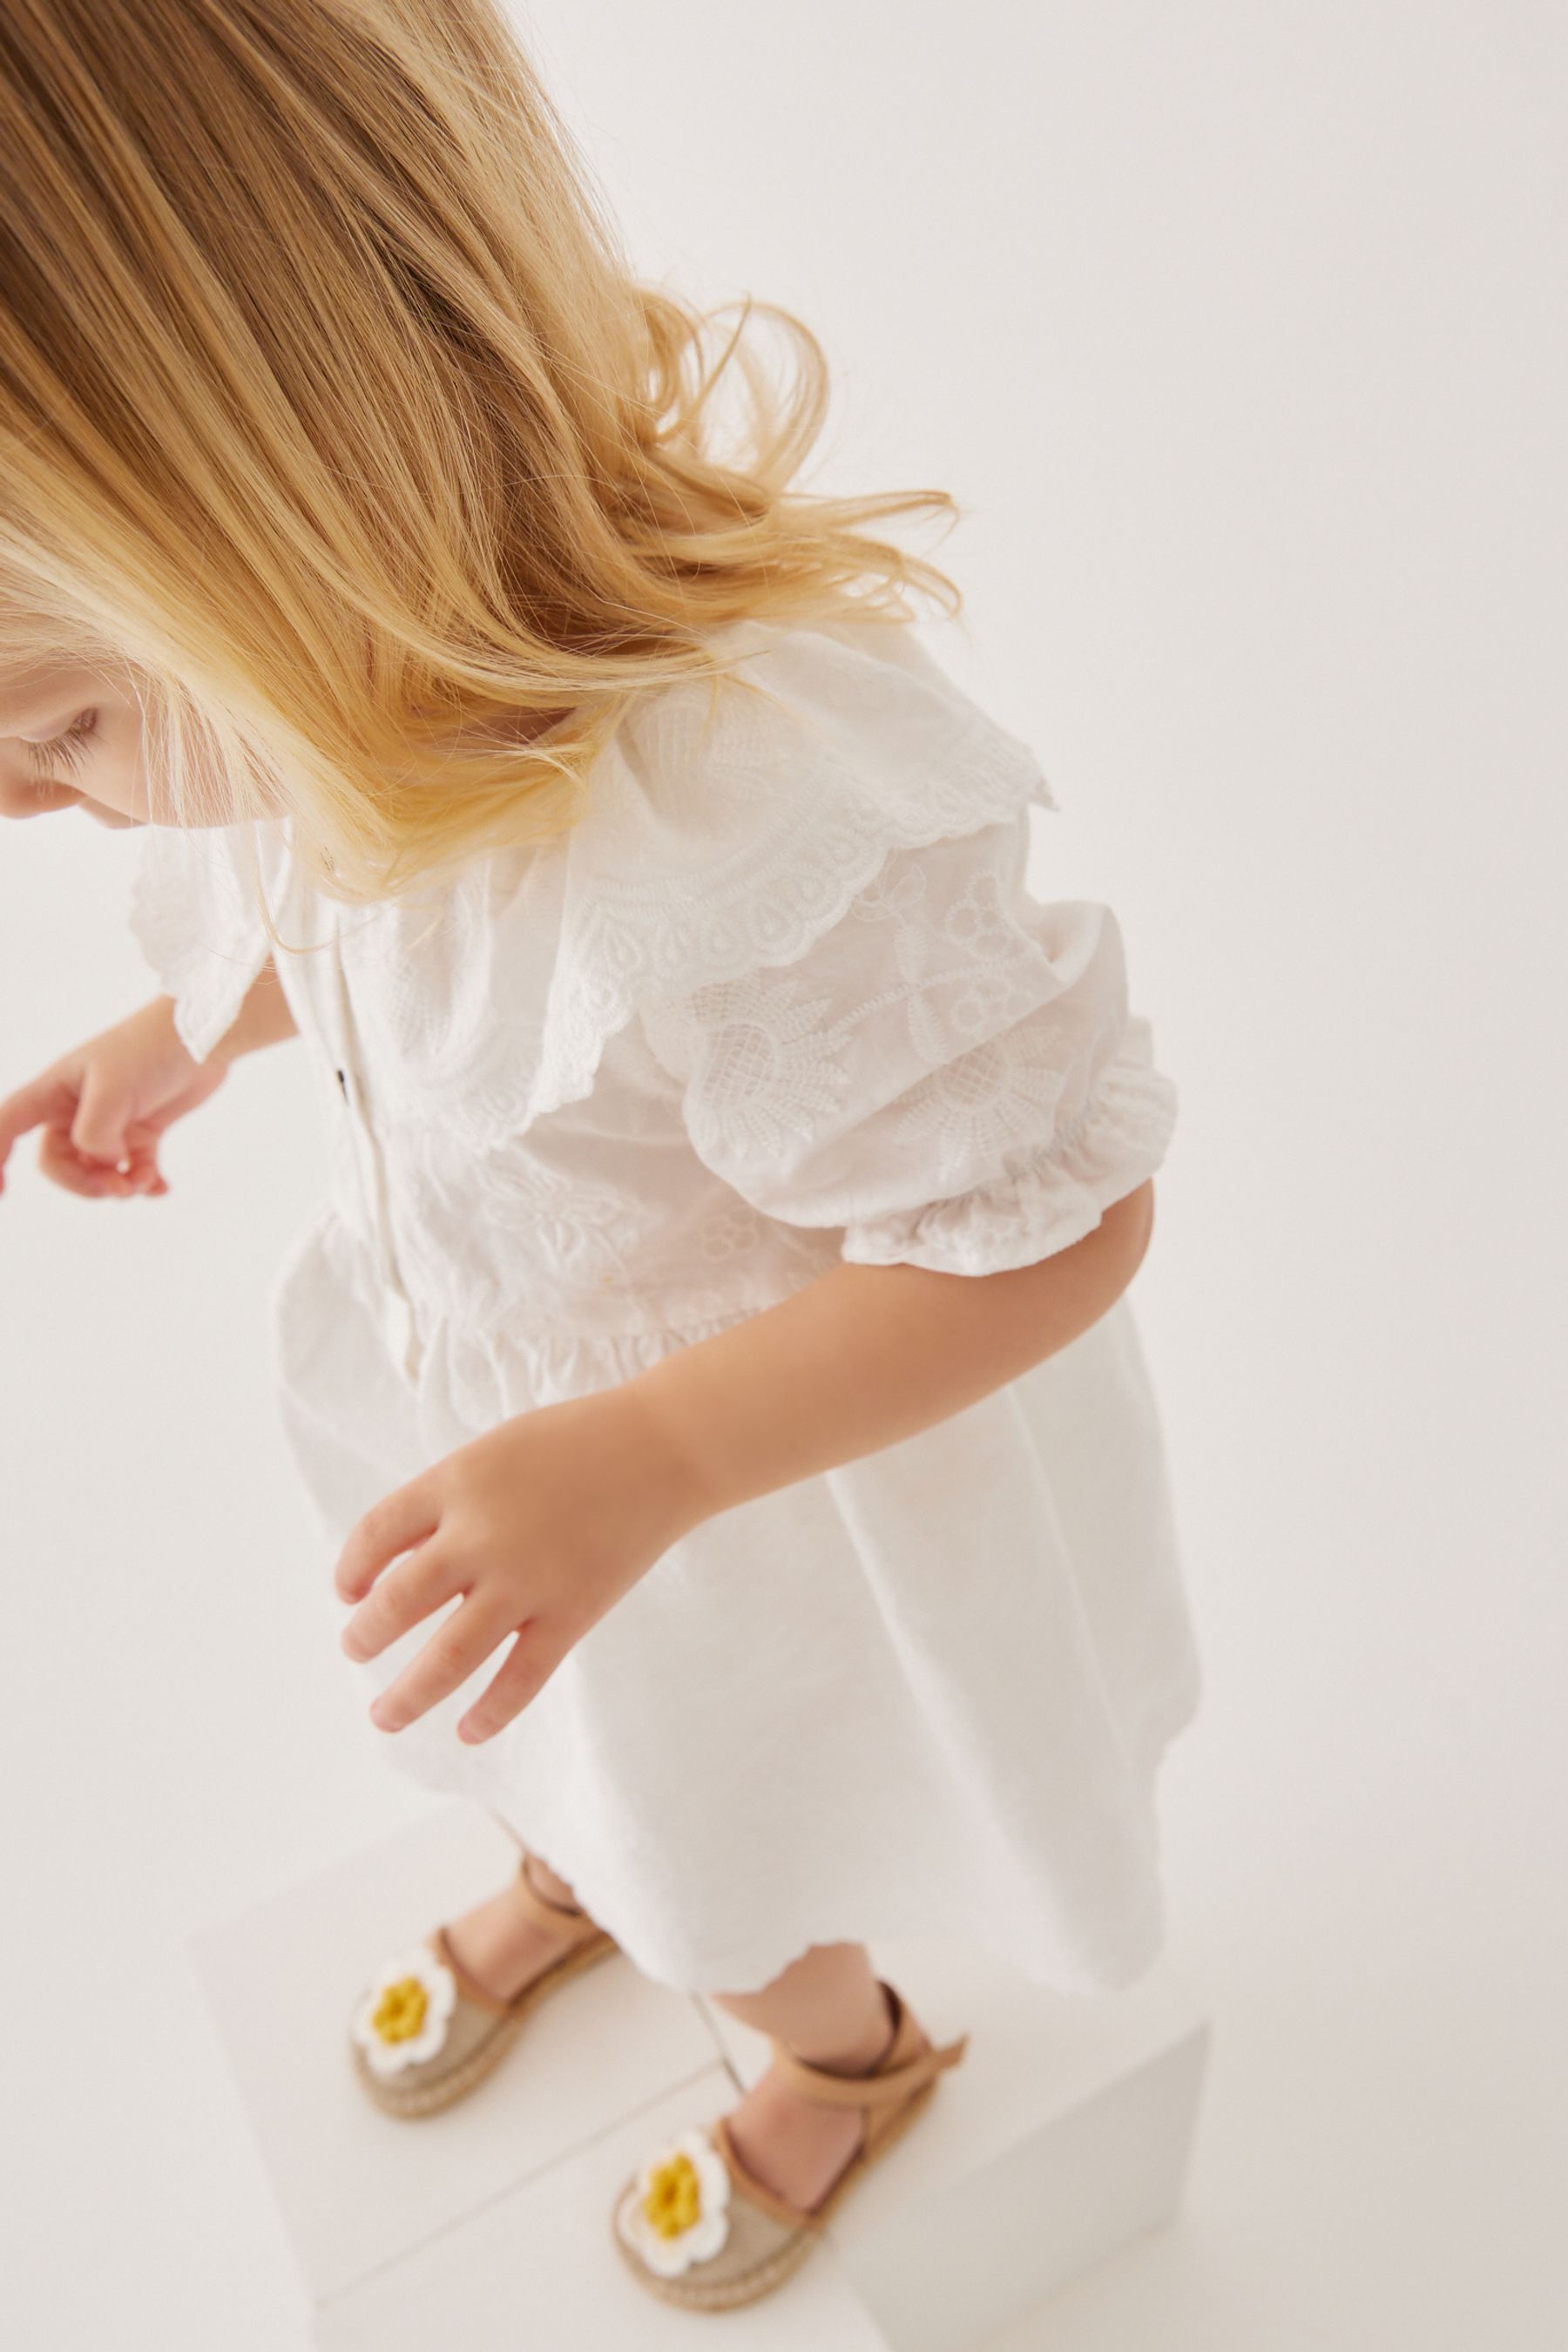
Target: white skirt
<point>923,1694</point>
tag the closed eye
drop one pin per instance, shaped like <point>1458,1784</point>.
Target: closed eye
<point>68,749</point>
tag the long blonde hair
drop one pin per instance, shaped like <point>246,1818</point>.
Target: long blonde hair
<point>332,411</point>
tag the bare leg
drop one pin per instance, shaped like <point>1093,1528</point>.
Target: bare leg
<point>827,2007</point>
<point>553,1889</point>
<point>501,1943</point>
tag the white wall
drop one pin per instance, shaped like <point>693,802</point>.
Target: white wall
<point>1238,333</point>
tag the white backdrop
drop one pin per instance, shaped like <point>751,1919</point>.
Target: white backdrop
<point>1237,332</point>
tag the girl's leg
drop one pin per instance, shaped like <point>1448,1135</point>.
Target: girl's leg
<point>826,2007</point>
<point>553,1889</point>
<point>502,1943</point>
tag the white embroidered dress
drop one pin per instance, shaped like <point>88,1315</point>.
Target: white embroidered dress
<point>781,998</point>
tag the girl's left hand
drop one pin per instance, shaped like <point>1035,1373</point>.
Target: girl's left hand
<point>542,1525</point>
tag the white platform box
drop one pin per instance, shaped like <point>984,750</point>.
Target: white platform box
<point>1063,2135</point>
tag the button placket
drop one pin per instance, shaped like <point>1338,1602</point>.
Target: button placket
<point>397,1309</point>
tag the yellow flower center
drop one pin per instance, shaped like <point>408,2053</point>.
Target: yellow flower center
<point>674,2199</point>
<point>400,2013</point>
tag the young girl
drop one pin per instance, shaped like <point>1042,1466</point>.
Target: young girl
<point>712,1363</point>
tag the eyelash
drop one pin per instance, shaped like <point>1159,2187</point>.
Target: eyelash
<point>66,750</point>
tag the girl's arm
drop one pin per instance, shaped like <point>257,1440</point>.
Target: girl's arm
<point>263,1019</point>
<point>869,1354</point>
<point>542,1523</point>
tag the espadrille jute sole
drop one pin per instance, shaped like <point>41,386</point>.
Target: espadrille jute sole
<point>428,2098</point>
<point>751,2287</point>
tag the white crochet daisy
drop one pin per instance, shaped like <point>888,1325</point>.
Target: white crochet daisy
<point>677,2211</point>
<point>402,2017</point>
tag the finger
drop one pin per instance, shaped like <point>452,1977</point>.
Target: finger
<point>29,1106</point>
<point>406,1593</point>
<point>404,1518</point>
<point>63,1164</point>
<point>135,1165</point>
<point>98,1130</point>
<point>454,1651</point>
<point>526,1667</point>
<point>142,1140</point>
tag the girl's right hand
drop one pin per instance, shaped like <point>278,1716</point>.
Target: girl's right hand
<point>104,1105</point>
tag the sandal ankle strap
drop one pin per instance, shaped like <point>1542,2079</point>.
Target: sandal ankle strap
<point>903,2068</point>
<point>546,1911</point>
<point>757,2192</point>
<point>440,1943</point>
<point>546,1914</point>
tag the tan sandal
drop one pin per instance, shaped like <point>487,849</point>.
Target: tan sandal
<point>697,2228</point>
<point>425,2033</point>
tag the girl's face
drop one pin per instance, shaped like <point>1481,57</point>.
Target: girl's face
<point>70,738</point>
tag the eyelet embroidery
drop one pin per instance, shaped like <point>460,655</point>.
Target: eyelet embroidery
<point>923,1094</point>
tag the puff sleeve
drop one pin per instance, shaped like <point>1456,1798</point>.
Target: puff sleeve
<point>196,912</point>
<point>950,1072</point>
